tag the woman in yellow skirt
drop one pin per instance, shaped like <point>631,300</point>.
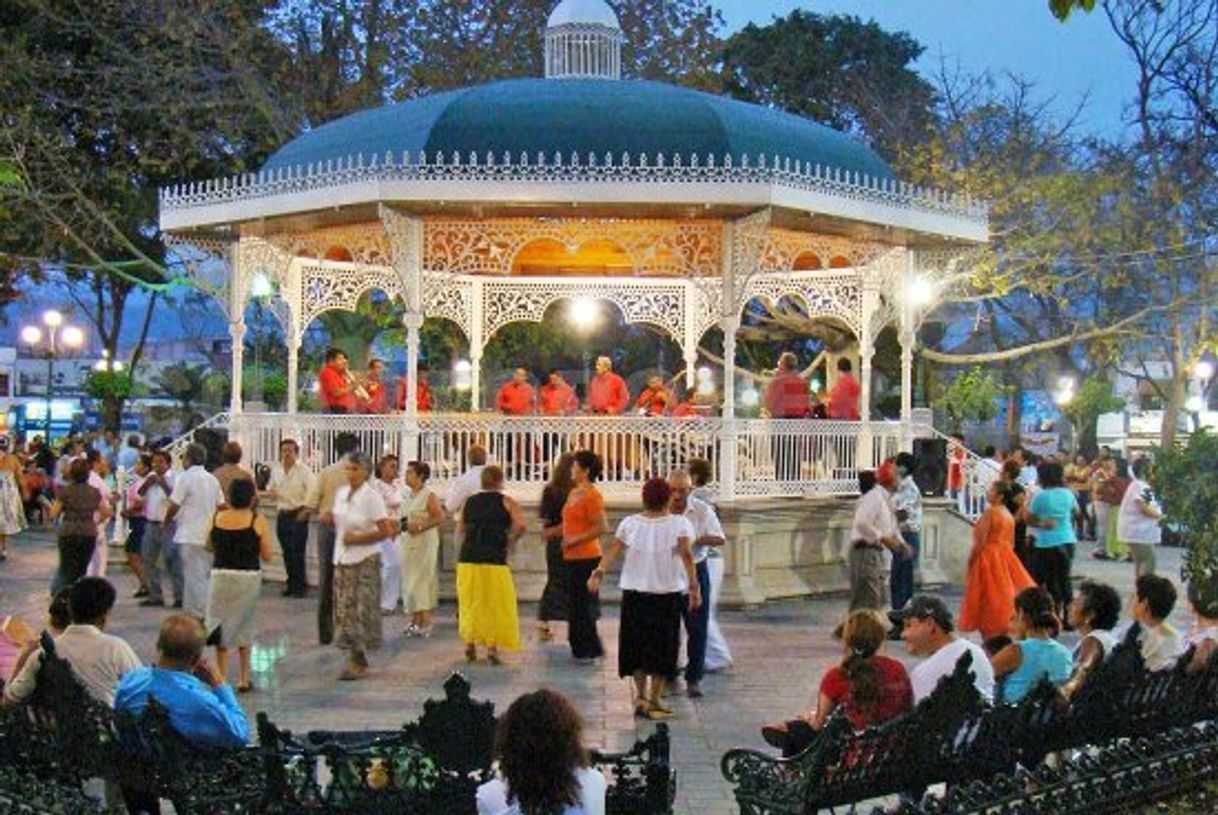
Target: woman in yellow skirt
<point>491,523</point>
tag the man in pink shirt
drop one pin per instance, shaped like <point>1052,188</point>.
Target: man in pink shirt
<point>607,392</point>
<point>786,397</point>
<point>844,395</point>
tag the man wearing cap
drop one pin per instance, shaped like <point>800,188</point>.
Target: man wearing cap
<point>874,539</point>
<point>928,629</point>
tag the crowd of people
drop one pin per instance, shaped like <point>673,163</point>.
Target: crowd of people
<point>201,533</point>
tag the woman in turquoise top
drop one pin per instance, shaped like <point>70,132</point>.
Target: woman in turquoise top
<point>1050,518</point>
<point>1035,654</point>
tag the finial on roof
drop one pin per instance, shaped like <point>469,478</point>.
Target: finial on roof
<point>583,41</point>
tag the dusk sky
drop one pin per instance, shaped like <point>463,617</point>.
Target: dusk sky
<point>1068,61</point>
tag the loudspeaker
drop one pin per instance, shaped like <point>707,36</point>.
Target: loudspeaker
<point>214,440</point>
<point>931,475</point>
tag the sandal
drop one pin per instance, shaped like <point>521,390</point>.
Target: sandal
<point>659,714</point>
<point>245,688</point>
<point>641,709</point>
<point>492,656</point>
<point>471,653</point>
<point>545,633</point>
<point>353,672</point>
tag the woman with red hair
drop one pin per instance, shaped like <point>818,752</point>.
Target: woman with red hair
<point>657,572</point>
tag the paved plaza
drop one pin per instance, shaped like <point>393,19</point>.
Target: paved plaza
<point>780,652</point>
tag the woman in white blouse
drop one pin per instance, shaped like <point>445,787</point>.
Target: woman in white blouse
<point>656,574</point>
<point>394,495</point>
<point>361,522</point>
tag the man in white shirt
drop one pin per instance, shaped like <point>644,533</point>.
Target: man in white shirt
<point>158,534</point>
<point>928,631</point>
<point>468,483</point>
<point>707,534</point>
<point>192,505</point>
<point>290,485</point>
<point>321,500</point>
<point>907,503</point>
<point>874,539</point>
<point>98,659</point>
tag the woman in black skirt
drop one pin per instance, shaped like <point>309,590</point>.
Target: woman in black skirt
<point>656,574</point>
<point>553,605</point>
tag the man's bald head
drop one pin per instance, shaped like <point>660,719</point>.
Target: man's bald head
<point>181,641</point>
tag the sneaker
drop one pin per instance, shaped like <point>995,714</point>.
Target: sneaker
<point>422,633</point>
<point>412,630</point>
<point>141,592</point>
<point>151,602</point>
<point>692,690</point>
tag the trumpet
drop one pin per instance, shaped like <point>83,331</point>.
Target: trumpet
<point>357,387</point>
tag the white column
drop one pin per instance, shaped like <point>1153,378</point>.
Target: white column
<point>908,337</point>
<point>236,333</point>
<point>689,342</point>
<point>727,453</point>
<point>476,342</point>
<point>293,340</point>
<point>870,304</point>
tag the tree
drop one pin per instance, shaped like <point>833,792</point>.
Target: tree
<point>1094,398</point>
<point>1186,481</point>
<point>184,383</point>
<point>1063,8</point>
<point>973,395</point>
<point>837,70</point>
<point>186,96</point>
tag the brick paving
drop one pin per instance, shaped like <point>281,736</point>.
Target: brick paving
<point>780,651</point>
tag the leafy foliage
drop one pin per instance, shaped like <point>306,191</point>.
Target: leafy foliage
<point>972,395</point>
<point>837,70</point>
<point>1186,481</point>
<point>1094,398</point>
<point>1063,8</point>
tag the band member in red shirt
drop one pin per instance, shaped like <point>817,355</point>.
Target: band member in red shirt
<point>655,399</point>
<point>844,395</point>
<point>688,407</point>
<point>517,397</point>
<point>336,386</point>
<point>786,397</point>
<point>376,391</point>
<point>557,398</point>
<point>422,392</point>
<point>607,392</point>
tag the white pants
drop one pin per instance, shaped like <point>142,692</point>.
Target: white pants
<point>718,655</point>
<point>196,574</point>
<point>101,552</point>
<point>391,574</point>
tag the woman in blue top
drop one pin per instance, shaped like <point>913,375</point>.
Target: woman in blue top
<point>1050,517</point>
<point>1035,654</point>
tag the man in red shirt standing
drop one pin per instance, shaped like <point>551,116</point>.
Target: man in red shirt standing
<point>655,399</point>
<point>375,389</point>
<point>516,397</point>
<point>607,392</point>
<point>557,397</point>
<point>422,395</point>
<point>844,395</point>
<point>335,384</point>
<point>786,397</point>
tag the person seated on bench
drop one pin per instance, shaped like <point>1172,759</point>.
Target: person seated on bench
<point>1154,599</point>
<point>202,708</point>
<point>1036,653</point>
<point>869,688</point>
<point>99,660</point>
<point>543,766</point>
<point>1203,636</point>
<point>927,627</point>
<point>1094,612</point>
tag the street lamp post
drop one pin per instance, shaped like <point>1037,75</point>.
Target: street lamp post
<point>57,333</point>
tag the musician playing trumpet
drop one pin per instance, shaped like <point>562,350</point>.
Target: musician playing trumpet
<point>375,398</point>
<point>337,386</point>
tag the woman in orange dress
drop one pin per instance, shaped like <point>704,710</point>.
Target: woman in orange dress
<point>995,574</point>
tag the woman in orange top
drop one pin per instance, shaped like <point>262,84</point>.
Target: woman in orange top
<point>583,523</point>
<point>995,574</point>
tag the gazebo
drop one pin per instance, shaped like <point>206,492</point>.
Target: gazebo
<point>487,205</point>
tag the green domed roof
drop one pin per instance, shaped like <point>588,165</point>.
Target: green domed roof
<point>579,116</point>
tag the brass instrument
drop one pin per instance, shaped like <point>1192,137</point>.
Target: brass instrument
<point>357,387</point>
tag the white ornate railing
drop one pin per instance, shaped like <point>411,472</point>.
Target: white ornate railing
<point>773,458</point>
<point>177,447</point>
<point>573,168</point>
<point>976,475</point>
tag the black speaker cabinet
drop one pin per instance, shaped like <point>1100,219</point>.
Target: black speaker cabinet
<point>932,465</point>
